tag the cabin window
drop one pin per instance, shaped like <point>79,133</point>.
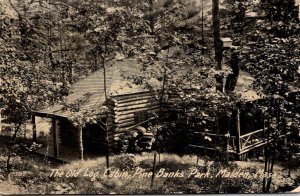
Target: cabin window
<point>141,116</point>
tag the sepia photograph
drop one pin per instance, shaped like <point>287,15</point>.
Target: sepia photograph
<point>149,97</point>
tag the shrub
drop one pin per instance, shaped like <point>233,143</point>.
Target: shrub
<point>125,161</point>
<point>146,164</point>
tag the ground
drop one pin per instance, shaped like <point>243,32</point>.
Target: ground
<point>132,174</point>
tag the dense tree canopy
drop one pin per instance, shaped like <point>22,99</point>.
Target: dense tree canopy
<point>45,45</point>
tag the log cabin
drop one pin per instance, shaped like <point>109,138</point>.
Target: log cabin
<point>130,107</point>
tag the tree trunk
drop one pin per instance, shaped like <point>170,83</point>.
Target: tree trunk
<point>80,143</point>
<point>217,34</point>
<point>13,141</point>
<point>107,105</point>
<point>151,22</point>
<point>33,128</point>
<point>217,43</point>
<point>238,127</point>
<point>272,161</point>
<point>0,120</point>
<point>267,158</point>
<point>153,169</point>
<point>202,20</point>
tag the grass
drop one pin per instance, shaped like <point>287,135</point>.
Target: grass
<point>89,177</point>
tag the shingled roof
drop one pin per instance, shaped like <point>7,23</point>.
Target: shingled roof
<point>90,91</point>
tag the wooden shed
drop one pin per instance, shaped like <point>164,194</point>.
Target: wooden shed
<point>130,106</point>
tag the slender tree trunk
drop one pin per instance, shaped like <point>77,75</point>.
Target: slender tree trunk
<point>289,160</point>
<point>153,169</point>
<point>152,22</point>
<point>80,143</point>
<point>159,116</point>
<point>202,20</point>
<point>272,161</point>
<point>33,128</point>
<point>107,105</point>
<point>217,43</point>
<point>13,142</point>
<point>266,153</point>
<point>217,34</point>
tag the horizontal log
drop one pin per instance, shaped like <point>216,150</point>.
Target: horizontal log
<point>117,122</point>
<point>124,101</point>
<point>124,121</point>
<point>132,95</point>
<point>127,124</point>
<point>119,118</point>
<point>136,107</point>
<point>131,103</point>
<point>125,129</point>
<point>149,109</point>
<point>123,117</point>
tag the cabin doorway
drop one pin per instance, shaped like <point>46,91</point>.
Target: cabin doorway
<point>94,140</point>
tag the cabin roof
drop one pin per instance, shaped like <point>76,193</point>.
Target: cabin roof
<point>89,92</point>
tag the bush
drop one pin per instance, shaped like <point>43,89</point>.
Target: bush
<point>174,163</point>
<point>146,164</point>
<point>125,161</point>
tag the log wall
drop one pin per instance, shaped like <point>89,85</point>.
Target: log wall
<point>125,107</point>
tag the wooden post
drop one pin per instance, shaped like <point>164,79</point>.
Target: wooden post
<point>33,128</point>
<point>55,138</point>
<point>238,128</point>
<point>80,143</point>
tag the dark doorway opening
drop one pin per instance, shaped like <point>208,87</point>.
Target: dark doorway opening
<point>94,140</point>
